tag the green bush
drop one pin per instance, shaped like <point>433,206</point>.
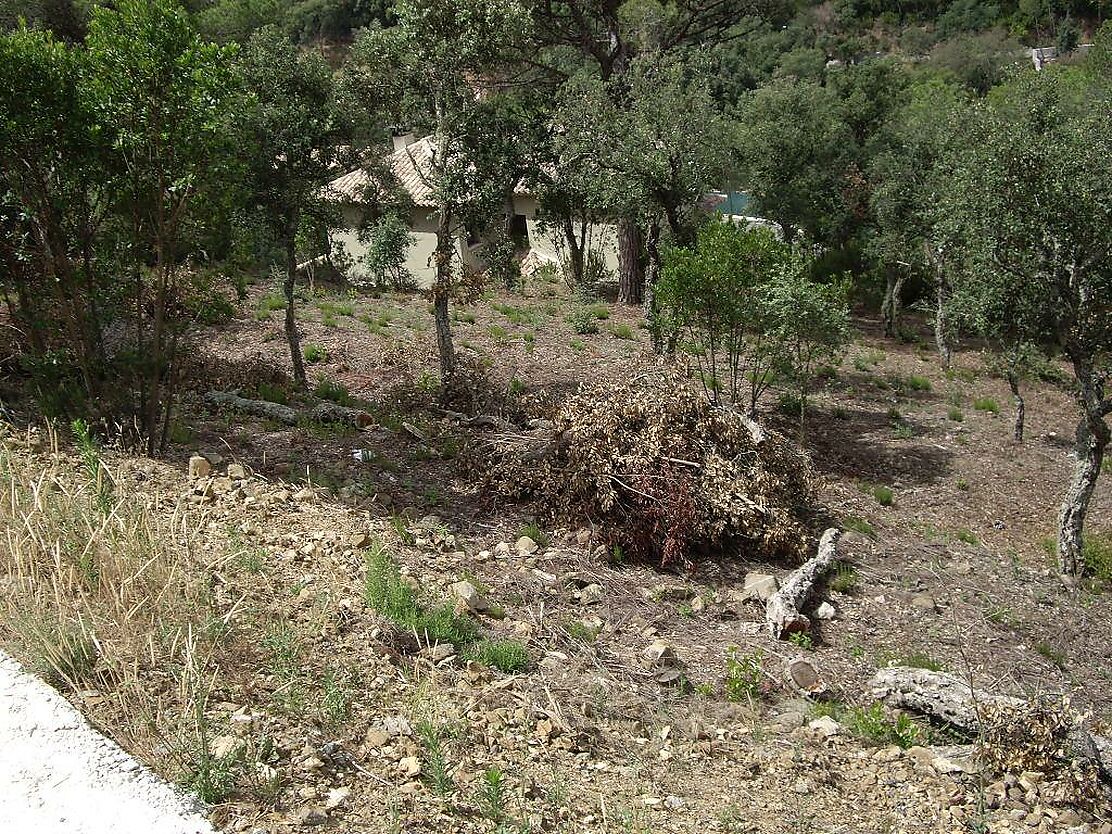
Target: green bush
<point>328,389</point>
<point>583,322</point>
<point>918,383</point>
<point>621,331</point>
<point>314,353</point>
<point>883,495</point>
<point>744,674</point>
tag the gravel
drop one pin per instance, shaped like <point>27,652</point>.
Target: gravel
<point>59,775</point>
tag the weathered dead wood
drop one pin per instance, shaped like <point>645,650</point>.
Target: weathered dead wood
<point>320,413</point>
<point>783,611</point>
<point>951,700</point>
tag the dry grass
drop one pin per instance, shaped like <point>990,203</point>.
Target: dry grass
<point>105,598</point>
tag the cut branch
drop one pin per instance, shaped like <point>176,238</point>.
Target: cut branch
<point>783,612</point>
<point>324,412</point>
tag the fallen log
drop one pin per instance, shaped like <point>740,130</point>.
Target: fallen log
<point>324,412</point>
<point>953,701</point>
<point>783,611</point>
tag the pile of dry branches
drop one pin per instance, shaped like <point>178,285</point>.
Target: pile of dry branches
<point>663,473</point>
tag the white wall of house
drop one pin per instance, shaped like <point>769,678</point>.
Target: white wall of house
<point>548,241</point>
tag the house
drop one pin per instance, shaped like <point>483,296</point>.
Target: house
<point>411,164</point>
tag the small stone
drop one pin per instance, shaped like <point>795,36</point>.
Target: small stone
<point>502,550</point>
<point>469,595</point>
<point>199,467</point>
<point>591,594</point>
<point>760,585</point>
<point>660,654</point>
<point>698,605</point>
<point>526,546</point>
<point>825,726</point>
<point>236,471</point>
<point>305,495</point>
<point>785,722</point>
<point>308,817</point>
<point>439,652</point>
<point>410,766</point>
<point>583,537</point>
<point>336,797</point>
<point>825,611</point>
<point>924,602</point>
<point>225,747</point>
<point>359,540</point>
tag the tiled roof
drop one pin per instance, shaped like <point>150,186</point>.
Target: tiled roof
<point>412,166</point>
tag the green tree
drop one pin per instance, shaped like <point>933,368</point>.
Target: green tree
<point>291,122</point>
<point>52,180</point>
<point>810,322</point>
<point>714,293</point>
<point>163,98</point>
<point>605,36</point>
<point>1028,217</point>
<point>424,71</point>
<point>650,165</point>
<point>795,151</point>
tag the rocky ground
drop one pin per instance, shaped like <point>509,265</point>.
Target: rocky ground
<point>649,701</point>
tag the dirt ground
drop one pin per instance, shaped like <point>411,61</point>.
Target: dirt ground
<point>352,730</point>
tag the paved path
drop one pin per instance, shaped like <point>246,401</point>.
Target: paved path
<point>60,776</point>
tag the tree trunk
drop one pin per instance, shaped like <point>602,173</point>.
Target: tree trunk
<point>575,253</point>
<point>890,306</point>
<point>941,332</point>
<point>1020,406</point>
<point>652,275</point>
<point>1093,435</point>
<point>631,274</point>
<point>293,337</point>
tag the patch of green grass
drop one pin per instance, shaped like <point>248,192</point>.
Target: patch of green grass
<point>272,302</point>
<point>463,316</point>
<point>987,404</point>
<point>583,322</point>
<point>500,334</point>
<point>744,675</point>
<point>272,393</point>
<point>859,525</point>
<point>1051,653</point>
<point>491,796</point>
<point>335,700</point>
<point>872,725</point>
<point>962,484</point>
<point>1096,554</point>
<point>578,345</point>
<point>916,660</point>
<point>967,536</point>
<point>918,383</point>
<point>903,431</point>
<point>504,655</point>
<point>435,762</point>
<point>802,640</point>
<point>314,353</point>
<point>954,414</point>
<point>517,315</point>
<point>579,630</point>
<point>883,495</point>
<point>283,649</point>
<point>842,577</point>
<point>621,331</point>
<point>599,311</point>
<point>387,592</point>
<point>327,389</point>
<point>535,533</point>
<point>517,387</point>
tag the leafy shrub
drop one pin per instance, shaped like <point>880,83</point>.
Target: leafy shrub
<point>883,495</point>
<point>665,473</point>
<point>744,675</point>
<point>583,322</point>
<point>314,353</point>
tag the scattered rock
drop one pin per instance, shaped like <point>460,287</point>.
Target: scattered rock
<point>825,726</point>
<point>308,817</point>
<point>336,797</point>
<point>305,495</point>
<point>760,585</point>
<point>825,611</point>
<point>591,594</point>
<point>583,537</point>
<point>469,595</point>
<point>237,471</point>
<point>199,467</point>
<point>924,602</point>
<point>225,747</point>
<point>410,766</point>
<point>439,652</point>
<point>659,654</point>
<point>526,546</point>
